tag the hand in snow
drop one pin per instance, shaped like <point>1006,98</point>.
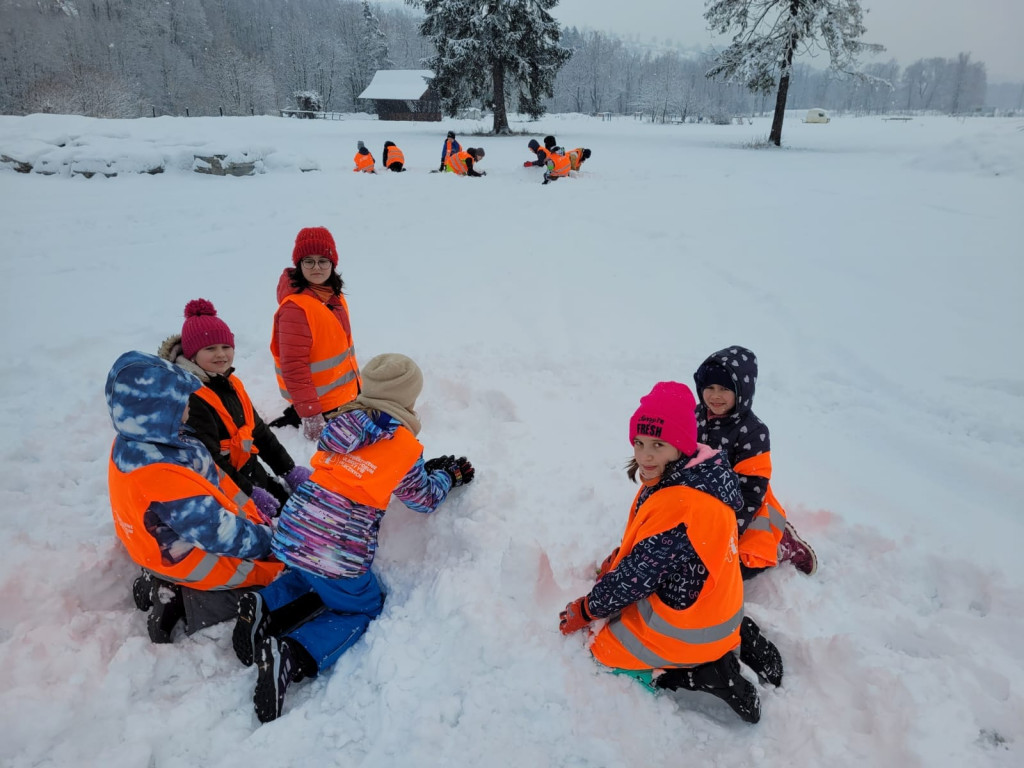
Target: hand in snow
<point>312,426</point>
<point>575,617</point>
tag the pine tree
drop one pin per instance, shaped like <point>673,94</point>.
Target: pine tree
<point>487,49</point>
<point>768,33</point>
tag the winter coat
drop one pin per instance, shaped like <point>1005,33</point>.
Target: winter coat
<point>392,154</point>
<point>296,350</point>
<point>333,534</point>
<point>212,431</point>
<point>746,442</point>
<point>147,398</point>
<point>674,591</point>
<point>450,147</point>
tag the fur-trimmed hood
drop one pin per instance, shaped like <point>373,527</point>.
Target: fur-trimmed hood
<point>170,350</point>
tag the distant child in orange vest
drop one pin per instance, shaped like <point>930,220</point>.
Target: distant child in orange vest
<point>363,159</point>
<point>221,414</point>
<point>726,382</point>
<point>393,157</point>
<point>463,163</point>
<point>179,517</point>
<point>450,147</point>
<point>327,532</point>
<point>672,592</point>
<point>577,157</point>
<point>558,165</point>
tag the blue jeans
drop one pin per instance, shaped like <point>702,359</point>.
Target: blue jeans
<point>350,606</point>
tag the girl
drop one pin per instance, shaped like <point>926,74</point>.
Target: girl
<point>314,356</point>
<point>327,532</point>
<point>672,591</point>
<point>726,381</point>
<point>221,414</point>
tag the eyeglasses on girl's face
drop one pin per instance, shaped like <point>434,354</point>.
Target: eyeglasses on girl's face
<point>311,263</point>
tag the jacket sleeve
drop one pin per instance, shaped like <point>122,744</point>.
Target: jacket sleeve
<point>653,563</point>
<point>753,487</point>
<point>423,491</point>
<point>295,340</point>
<point>469,168</point>
<point>206,425</point>
<point>271,451</point>
<point>203,523</point>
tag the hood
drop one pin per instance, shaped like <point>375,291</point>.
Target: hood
<point>741,363</point>
<point>170,350</point>
<point>147,398</point>
<point>284,285</point>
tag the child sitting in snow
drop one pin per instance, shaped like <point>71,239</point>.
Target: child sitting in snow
<point>327,531</point>
<point>179,517</point>
<point>363,159</point>
<point>672,590</point>
<point>726,382</point>
<point>221,414</point>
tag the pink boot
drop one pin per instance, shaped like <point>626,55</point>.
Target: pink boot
<point>797,551</point>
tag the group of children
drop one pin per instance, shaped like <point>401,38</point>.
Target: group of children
<point>287,550</point>
<point>557,162</point>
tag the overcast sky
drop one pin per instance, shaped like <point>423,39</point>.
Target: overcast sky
<point>990,30</point>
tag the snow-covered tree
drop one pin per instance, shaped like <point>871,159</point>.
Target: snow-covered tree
<point>489,49</point>
<point>767,34</point>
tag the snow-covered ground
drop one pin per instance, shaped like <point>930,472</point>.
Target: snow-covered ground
<point>874,266</point>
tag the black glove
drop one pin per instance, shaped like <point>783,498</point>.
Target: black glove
<point>441,168</point>
<point>460,471</point>
<point>287,419</point>
<point>439,463</point>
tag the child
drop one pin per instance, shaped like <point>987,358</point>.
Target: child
<point>672,591</point>
<point>540,155</point>
<point>558,165</point>
<point>363,159</point>
<point>726,381</point>
<point>174,512</point>
<point>577,157</point>
<point>463,163</point>
<point>221,414</point>
<point>449,148</point>
<point>394,158</point>
<point>327,532</point>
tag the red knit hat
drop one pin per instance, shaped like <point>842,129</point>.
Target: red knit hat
<point>314,241</point>
<point>202,328</point>
<point>667,413</point>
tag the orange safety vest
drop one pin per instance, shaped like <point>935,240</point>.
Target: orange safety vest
<point>332,359</point>
<point>457,163</point>
<point>363,162</point>
<point>239,446</point>
<point>649,634</point>
<point>131,493</point>
<point>575,158</point>
<point>394,156</point>
<point>558,165</point>
<point>370,474</point>
<point>759,544</point>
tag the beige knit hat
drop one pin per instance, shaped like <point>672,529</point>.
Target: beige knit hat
<point>391,383</point>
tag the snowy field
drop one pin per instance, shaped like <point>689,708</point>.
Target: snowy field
<point>874,266</point>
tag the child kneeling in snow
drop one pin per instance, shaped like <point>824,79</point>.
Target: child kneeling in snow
<point>327,531</point>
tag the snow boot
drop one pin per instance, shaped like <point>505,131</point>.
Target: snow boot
<point>721,679</point>
<point>759,653</point>
<point>251,628</point>
<point>797,551</point>
<point>142,591</point>
<point>168,610</point>
<point>278,667</point>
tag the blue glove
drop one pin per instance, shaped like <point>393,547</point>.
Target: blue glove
<point>297,476</point>
<point>265,503</point>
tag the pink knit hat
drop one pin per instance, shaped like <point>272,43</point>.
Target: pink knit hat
<point>314,241</point>
<point>667,413</point>
<point>202,328</point>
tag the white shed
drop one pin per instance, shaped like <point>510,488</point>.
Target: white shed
<point>817,115</point>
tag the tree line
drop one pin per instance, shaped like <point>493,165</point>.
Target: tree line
<point>118,58</point>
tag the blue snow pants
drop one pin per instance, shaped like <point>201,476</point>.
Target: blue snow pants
<point>351,604</point>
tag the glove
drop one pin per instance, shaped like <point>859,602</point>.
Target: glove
<point>460,471</point>
<point>297,476</point>
<point>441,168</point>
<point>439,463</point>
<point>312,426</point>
<point>528,164</point>
<point>287,419</point>
<point>575,617</point>
<point>607,564</point>
<point>483,173</point>
<point>266,504</point>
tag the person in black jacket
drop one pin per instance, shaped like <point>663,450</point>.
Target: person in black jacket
<point>206,348</point>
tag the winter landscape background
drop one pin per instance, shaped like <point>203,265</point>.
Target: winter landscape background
<point>874,267</point>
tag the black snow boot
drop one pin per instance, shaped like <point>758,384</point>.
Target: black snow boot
<point>168,610</point>
<point>759,653</point>
<point>251,628</point>
<point>142,591</point>
<point>276,670</point>
<point>721,679</point>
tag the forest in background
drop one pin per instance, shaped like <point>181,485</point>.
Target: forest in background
<point>126,58</point>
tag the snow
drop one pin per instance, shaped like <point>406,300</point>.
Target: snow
<point>874,267</point>
<point>398,84</point>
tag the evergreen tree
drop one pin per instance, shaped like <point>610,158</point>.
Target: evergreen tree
<point>768,33</point>
<point>486,49</point>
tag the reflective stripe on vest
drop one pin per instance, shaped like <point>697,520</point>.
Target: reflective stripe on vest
<point>696,637</point>
<point>363,162</point>
<point>558,165</point>
<point>370,474</point>
<point>131,493</point>
<point>333,373</point>
<point>394,156</point>
<point>759,544</point>
<point>457,163</point>
<point>239,446</point>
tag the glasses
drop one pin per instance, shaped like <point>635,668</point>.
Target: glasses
<point>316,263</point>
